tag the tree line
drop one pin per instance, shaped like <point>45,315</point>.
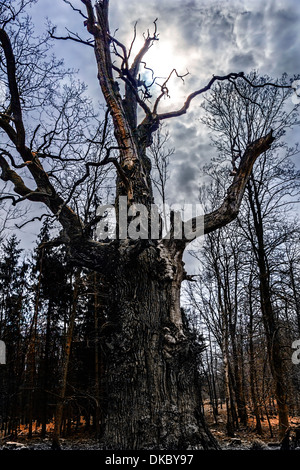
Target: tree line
<point>243,305</point>
<point>51,319</point>
<point>96,328</point>
<point>247,290</point>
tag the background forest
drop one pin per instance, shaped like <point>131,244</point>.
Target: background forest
<point>52,314</point>
<point>229,348</point>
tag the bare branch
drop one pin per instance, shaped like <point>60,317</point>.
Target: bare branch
<point>164,88</point>
<point>106,160</point>
<point>8,154</point>
<point>19,186</point>
<point>100,30</point>
<point>10,197</point>
<point>75,9</point>
<point>124,57</point>
<point>12,11</point>
<point>33,219</point>
<point>139,57</point>
<point>90,21</point>
<point>265,84</point>
<point>189,99</point>
<point>133,40</point>
<point>229,209</point>
<point>13,88</point>
<point>71,36</point>
<point>230,77</point>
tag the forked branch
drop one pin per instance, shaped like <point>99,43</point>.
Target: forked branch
<point>232,77</point>
<point>229,209</point>
<point>13,88</point>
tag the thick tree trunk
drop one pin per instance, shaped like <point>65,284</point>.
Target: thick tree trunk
<point>152,382</point>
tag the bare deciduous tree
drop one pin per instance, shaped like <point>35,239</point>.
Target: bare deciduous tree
<point>239,115</point>
<point>152,386</point>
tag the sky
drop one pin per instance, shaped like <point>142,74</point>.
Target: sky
<point>204,37</point>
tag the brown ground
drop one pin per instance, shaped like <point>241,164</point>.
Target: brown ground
<point>245,438</point>
<point>247,435</point>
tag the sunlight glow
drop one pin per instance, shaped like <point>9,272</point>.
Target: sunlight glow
<point>160,60</point>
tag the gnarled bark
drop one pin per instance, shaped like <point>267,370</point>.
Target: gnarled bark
<point>152,382</point>
<point>151,378</point>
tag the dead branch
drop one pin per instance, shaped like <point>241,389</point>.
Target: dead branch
<point>229,209</point>
<point>164,88</point>
<point>71,36</point>
<point>13,88</point>
<point>33,219</point>
<point>75,9</point>
<point>106,160</point>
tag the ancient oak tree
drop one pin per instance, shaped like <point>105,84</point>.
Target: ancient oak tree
<point>151,381</point>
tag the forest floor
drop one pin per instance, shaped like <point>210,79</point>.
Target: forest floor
<point>245,438</point>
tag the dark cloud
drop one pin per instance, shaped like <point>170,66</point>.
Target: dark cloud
<point>184,131</point>
<point>186,174</point>
<point>243,61</point>
<point>184,188</point>
<point>204,36</point>
<point>284,39</point>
